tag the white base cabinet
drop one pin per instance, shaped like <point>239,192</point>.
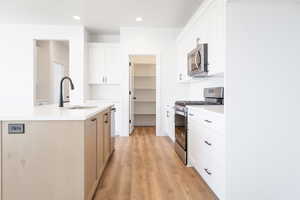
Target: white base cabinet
<point>206,147</point>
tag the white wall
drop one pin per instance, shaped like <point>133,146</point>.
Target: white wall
<point>139,41</point>
<point>17,74</point>
<point>86,89</point>
<point>59,54</point>
<point>262,100</point>
<point>48,53</point>
<point>43,71</point>
<point>105,92</point>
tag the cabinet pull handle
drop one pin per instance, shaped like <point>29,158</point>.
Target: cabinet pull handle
<point>102,79</point>
<point>208,121</point>
<point>94,119</point>
<point>190,114</point>
<point>106,118</point>
<point>209,144</point>
<point>208,172</point>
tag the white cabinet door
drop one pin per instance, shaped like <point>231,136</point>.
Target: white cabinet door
<point>180,63</point>
<point>220,39</point>
<point>218,180</point>
<point>182,70</point>
<point>169,122</point>
<point>104,63</point>
<point>216,40</point>
<point>195,136</point>
<point>210,29</point>
<point>96,63</point>
<point>112,64</point>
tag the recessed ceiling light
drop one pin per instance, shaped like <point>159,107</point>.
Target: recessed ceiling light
<point>138,19</point>
<point>76,17</point>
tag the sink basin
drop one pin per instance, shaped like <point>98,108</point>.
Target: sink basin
<point>80,107</point>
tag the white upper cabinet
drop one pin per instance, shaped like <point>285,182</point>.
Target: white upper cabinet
<point>208,24</point>
<point>104,63</point>
<point>95,63</point>
<point>182,51</point>
<point>112,57</point>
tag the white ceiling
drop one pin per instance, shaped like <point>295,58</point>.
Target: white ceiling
<point>99,16</point>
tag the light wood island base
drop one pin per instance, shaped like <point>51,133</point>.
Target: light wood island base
<point>55,160</point>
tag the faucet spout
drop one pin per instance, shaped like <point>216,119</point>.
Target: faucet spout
<point>61,100</point>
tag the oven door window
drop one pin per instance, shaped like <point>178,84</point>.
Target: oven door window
<point>195,60</point>
<point>180,130</point>
<point>198,59</point>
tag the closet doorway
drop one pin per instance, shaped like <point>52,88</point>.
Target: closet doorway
<point>142,91</point>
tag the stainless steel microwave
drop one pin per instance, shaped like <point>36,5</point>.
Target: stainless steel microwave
<point>198,61</point>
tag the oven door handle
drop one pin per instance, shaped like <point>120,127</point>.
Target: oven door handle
<point>180,113</point>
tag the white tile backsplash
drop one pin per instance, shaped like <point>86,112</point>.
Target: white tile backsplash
<point>105,92</point>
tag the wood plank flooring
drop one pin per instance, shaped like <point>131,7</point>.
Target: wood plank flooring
<point>145,167</point>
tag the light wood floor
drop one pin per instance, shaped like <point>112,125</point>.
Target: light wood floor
<point>145,167</point>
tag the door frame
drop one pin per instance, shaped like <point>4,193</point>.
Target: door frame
<point>131,95</point>
<point>35,63</point>
<point>157,87</point>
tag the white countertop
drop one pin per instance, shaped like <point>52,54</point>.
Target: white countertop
<point>51,112</point>
<point>219,109</point>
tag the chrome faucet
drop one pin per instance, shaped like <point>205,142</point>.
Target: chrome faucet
<point>61,100</point>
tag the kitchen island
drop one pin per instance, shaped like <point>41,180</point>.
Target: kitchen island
<point>53,153</point>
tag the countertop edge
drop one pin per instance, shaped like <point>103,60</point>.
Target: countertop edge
<point>43,117</point>
<point>207,108</point>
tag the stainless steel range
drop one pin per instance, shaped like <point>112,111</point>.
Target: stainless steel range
<point>213,96</point>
